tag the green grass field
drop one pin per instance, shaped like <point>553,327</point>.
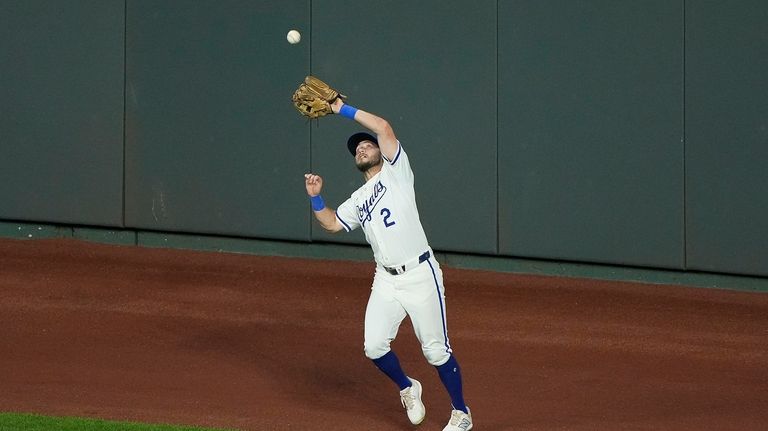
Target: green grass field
<point>28,422</point>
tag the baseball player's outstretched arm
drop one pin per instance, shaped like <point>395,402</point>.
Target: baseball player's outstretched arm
<point>384,133</point>
<point>326,216</point>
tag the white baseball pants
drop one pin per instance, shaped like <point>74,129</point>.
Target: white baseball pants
<point>417,293</point>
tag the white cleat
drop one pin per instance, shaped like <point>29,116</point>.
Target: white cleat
<point>460,421</point>
<point>411,399</point>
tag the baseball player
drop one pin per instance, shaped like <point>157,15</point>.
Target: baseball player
<point>408,279</point>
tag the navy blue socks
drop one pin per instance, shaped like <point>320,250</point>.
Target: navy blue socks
<point>450,374</point>
<point>390,365</point>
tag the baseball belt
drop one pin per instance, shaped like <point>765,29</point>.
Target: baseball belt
<point>397,270</point>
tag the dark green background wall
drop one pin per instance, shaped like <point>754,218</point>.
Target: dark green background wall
<point>438,90</point>
<point>591,139</point>
<point>726,135</point>
<point>619,132</point>
<point>212,144</point>
<point>61,111</point>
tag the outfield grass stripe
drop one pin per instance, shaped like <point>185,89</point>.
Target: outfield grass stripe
<point>32,422</point>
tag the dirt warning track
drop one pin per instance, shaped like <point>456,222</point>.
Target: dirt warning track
<point>267,343</point>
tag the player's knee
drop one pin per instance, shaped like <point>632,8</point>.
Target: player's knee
<point>375,350</point>
<point>436,356</point>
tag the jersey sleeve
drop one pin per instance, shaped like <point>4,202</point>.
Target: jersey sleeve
<point>346,213</point>
<point>400,166</point>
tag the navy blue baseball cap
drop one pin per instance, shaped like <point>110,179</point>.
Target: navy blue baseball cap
<point>359,137</point>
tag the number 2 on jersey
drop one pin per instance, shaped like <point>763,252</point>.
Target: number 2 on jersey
<point>388,213</point>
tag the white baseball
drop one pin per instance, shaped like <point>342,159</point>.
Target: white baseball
<point>293,37</point>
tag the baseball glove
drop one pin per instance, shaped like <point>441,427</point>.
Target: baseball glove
<point>313,98</point>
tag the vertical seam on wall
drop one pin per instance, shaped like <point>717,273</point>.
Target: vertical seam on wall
<point>498,212</point>
<point>685,173</point>
<point>309,125</point>
<point>125,105</point>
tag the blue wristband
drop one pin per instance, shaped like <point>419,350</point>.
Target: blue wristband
<point>348,111</point>
<point>317,203</point>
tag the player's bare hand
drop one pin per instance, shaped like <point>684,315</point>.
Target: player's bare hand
<point>314,184</point>
<point>336,105</point>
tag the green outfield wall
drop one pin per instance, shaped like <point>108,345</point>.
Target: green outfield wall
<point>616,133</point>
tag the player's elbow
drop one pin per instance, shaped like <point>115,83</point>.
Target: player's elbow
<point>382,128</point>
<point>331,227</point>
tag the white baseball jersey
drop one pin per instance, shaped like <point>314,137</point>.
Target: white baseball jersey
<point>385,207</point>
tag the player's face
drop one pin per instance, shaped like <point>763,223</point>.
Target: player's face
<point>367,156</point>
